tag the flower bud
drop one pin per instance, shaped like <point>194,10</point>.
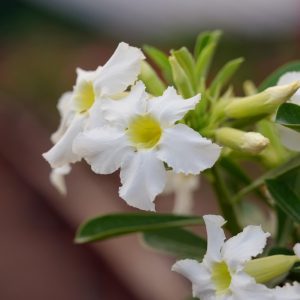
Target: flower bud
<point>262,103</point>
<point>251,142</point>
<point>269,268</point>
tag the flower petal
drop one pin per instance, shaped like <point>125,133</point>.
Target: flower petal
<point>66,112</point>
<point>287,292</point>
<point>171,107</point>
<point>61,153</point>
<point>95,116</point>
<point>244,287</point>
<point>245,245</point>
<point>103,148</point>
<point>198,275</point>
<point>120,71</point>
<point>296,249</point>
<point>215,238</point>
<point>289,138</point>
<point>119,112</point>
<point>143,177</point>
<point>186,151</point>
<point>57,178</point>
<point>287,78</point>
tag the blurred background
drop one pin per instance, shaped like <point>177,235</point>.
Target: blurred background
<point>41,44</point>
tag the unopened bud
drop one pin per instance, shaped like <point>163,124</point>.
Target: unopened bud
<point>262,103</point>
<point>270,268</point>
<point>251,142</point>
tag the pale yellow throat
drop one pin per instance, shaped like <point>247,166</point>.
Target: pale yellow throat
<point>144,132</point>
<point>84,97</point>
<point>221,277</point>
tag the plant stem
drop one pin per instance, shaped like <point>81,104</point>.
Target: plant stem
<point>224,200</point>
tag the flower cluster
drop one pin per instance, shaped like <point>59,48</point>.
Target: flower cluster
<point>113,123</point>
<point>227,271</point>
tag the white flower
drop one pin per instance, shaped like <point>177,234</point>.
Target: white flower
<point>183,186</point>
<point>83,106</point>
<point>289,137</point>
<point>141,136</point>
<point>220,276</point>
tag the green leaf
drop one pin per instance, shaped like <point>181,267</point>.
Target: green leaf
<point>161,60</point>
<point>177,241</point>
<point>289,165</point>
<point>288,115</point>
<point>180,78</point>
<point>272,79</point>
<point>205,38</point>
<point>283,228</point>
<point>108,226</point>
<point>286,193</point>
<point>224,75</point>
<point>153,83</point>
<point>186,61</point>
<point>204,61</point>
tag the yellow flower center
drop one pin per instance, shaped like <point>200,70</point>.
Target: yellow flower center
<point>144,132</point>
<point>84,97</point>
<point>221,277</point>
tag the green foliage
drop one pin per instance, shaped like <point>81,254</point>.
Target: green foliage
<point>288,115</point>
<point>272,79</point>
<point>112,225</point>
<point>187,63</point>
<point>285,191</point>
<point>181,79</point>
<point>161,60</point>
<point>153,83</point>
<point>273,173</point>
<point>177,241</point>
<point>224,75</point>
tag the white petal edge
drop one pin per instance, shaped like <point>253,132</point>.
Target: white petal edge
<point>287,78</point>
<point>296,249</point>
<point>120,71</point>
<point>119,112</point>
<point>215,238</point>
<point>105,148</point>
<point>245,245</point>
<point>143,177</point>
<point>171,107</point>
<point>57,178</point>
<point>61,153</point>
<point>186,151</point>
<point>66,113</point>
<point>289,137</point>
<point>198,275</point>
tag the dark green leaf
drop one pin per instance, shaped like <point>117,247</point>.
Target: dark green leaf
<point>284,228</point>
<point>286,194</point>
<point>108,226</point>
<point>177,241</point>
<point>272,79</point>
<point>289,165</point>
<point>288,115</point>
